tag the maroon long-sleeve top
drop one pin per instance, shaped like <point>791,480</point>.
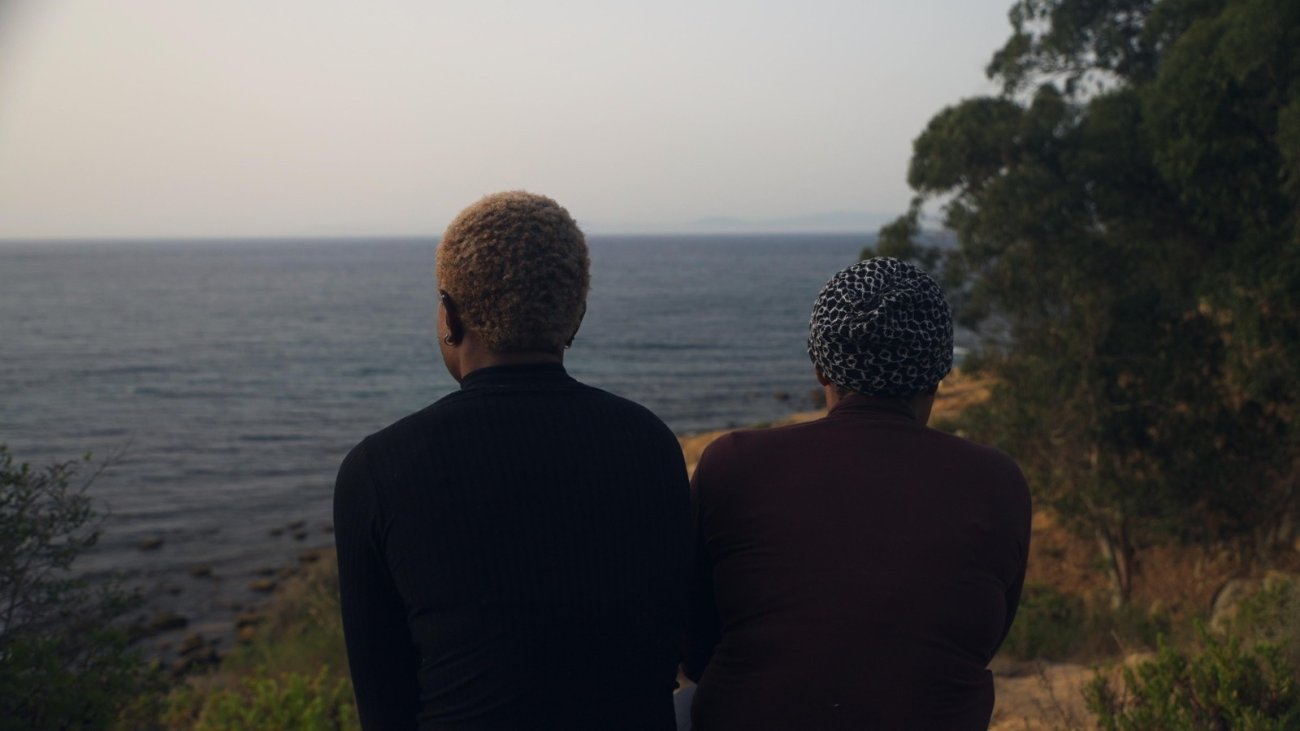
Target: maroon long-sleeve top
<point>854,572</point>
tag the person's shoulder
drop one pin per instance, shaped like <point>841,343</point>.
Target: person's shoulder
<point>435,415</point>
<point>761,439</point>
<point>982,454</point>
<point>626,410</point>
<point>999,473</point>
<point>745,446</point>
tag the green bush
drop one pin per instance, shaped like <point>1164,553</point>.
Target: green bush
<point>1272,615</point>
<point>1127,628</point>
<point>64,659</point>
<point>1219,685</point>
<point>1049,624</point>
<point>293,675</point>
<point>1054,625</point>
<point>295,701</point>
<point>301,631</point>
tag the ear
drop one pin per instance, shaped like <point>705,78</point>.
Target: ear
<point>821,377</point>
<point>451,322</point>
<point>581,315</point>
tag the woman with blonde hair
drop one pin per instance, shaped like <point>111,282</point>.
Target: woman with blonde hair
<point>525,535</point>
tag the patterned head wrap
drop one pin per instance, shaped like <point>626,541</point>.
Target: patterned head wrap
<point>881,327</point>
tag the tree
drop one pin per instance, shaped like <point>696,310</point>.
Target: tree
<point>63,661</point>
<point>1128,204</point>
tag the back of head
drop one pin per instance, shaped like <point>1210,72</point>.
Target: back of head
<point>883,328</point>
<point>517,267</point>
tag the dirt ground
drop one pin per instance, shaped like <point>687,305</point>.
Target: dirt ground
<point>1036,696</point>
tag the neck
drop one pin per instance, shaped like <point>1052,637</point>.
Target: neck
<point>472,354</point>
<point>921,404</point>
<point>487,359</point>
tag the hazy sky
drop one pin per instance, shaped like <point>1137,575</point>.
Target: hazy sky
<point>313,117</point>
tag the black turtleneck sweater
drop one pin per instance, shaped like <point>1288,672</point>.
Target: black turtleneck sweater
<point>515,556</point>
<point>854,572</point>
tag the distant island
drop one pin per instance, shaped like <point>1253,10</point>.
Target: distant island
<point>832,222</point>
<point>836,221</point>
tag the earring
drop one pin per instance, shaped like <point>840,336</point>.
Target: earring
<point>448,339</point>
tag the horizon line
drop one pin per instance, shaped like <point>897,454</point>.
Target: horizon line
<point>115,238</point>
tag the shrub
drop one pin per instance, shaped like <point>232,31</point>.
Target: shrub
<point>1127,628</point>
<point>297,701</point>
<point>1219,685</point>
<point>1049,624</point>
<point>293,675</point>
<point>301,631</point>
<point>64,663</point>
<point>1272,615</point>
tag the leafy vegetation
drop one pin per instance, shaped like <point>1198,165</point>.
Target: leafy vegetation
<point>1054,625</point>
<point>1272,616</point>
<point>1127,206</point>
<point>293,675</point>
<point>64,661</point>
<point>291,700</point>
<point>1049,625</point>
<point>1128,216</point>
<point>1220,685</point>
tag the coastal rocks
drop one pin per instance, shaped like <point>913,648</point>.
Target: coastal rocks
<point>225,601</point>
<point>297,530</point>
<point>192,643</point>
<point>262,586</point>
<point>1228,599</point>
<point>165,621</point>
<point>196,653</point>
<point>161,622</point>
<point>246,626</point>
<point>248,619</point>
<point>310,555</point>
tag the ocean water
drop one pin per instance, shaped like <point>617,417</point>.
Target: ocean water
<point>228,379</point>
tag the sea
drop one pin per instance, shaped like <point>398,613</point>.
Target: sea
<point>220,383</point>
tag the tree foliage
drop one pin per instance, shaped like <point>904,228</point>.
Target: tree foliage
<point>1128,204</point>
<point>63,662</point>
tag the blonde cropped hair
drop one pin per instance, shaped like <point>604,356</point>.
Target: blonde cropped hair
<point>516,266</point>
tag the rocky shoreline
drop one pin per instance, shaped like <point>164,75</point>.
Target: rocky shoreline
<point>182,639</point>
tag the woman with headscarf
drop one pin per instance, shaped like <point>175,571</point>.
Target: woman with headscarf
<point>858,571</point>
<point>526,535</point>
